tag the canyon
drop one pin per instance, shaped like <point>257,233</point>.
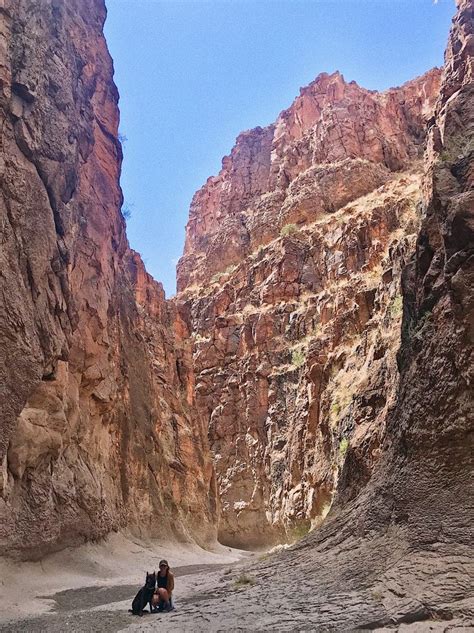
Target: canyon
<point>311,382</point>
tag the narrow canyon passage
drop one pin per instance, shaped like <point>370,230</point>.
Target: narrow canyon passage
<point>310,383</point>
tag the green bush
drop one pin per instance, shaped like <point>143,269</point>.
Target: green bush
<point>298,357</point>
<point>335,409</point>
<point>288,229</point>
<point>343,446</point>
<point>228,271</point>
<point>396,306</point>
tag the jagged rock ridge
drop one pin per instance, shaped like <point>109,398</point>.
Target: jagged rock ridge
<point>279,174</point>
<point>98,429</point>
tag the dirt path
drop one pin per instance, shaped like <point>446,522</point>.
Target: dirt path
<point>105,608</point>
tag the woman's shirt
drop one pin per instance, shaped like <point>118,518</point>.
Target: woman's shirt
<point>166,582</point>
<point>162,582</point>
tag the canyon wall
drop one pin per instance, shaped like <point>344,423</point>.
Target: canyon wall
<point>290,283</point>
<point>401,550</point>
<point>395,554</point>
<point>320,343</point>
<point>98,428</point>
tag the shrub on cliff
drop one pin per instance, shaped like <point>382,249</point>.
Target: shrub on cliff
<point>288,229</point>
<point>297,357</point>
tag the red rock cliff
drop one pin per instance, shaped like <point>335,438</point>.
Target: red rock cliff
<point>290,282</point>
<point>273,175</point>
<point>98,431</point>
<point>395,552</point>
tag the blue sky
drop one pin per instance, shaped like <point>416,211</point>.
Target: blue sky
<point>192,75</point>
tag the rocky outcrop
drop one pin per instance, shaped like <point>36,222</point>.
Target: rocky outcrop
<point>290,283</point>
<point>318,156</point>
<point>98,429</point>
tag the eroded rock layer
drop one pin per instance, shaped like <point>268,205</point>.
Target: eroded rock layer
<point>290,283</point>
<point>97,424</point>
<point>319,155</point>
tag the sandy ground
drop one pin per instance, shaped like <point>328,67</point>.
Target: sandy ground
<point>90,588</point>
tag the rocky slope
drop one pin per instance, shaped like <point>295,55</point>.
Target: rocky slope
<point>290,283</point>
<point>98,430</point>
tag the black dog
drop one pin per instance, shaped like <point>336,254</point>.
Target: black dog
<point>145,595</point>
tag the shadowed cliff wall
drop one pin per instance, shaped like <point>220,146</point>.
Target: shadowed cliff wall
<point>98,429</point>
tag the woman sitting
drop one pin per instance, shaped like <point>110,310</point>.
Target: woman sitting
<point>161,600</point>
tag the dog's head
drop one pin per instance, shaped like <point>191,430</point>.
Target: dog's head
<point>150,580</point>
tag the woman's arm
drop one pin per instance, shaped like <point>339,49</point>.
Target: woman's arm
<point>170,583</point>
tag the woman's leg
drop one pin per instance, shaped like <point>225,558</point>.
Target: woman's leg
<point>163,595</point>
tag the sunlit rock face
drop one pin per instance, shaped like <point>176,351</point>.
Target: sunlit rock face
<point>334,144</point>
<point>290,283</point>
<point>98,429</point>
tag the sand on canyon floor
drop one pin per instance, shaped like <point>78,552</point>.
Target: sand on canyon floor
<point>90,588</point>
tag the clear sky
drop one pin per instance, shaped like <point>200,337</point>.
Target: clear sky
<point>193,74</point>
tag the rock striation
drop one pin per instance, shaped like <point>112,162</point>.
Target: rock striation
<point>97,425</point>
<point>316,363</point>
<point>290,283</point>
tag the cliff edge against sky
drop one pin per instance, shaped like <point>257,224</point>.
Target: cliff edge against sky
<point>97,428</point>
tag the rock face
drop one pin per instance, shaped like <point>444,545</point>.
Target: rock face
<point>98,429</point>
<point>321,341</point>
<point>301,167</point>
<point>303,236</point>
<point>398,555</point>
